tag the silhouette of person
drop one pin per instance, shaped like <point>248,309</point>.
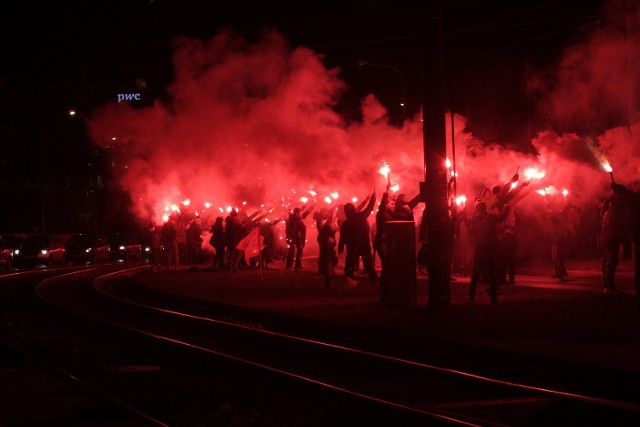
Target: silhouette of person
<point>218,242</point>
<point>327,258</point>
<point>266,231</point>
<point>404,208</point>
<point>233,234</point>
<point>355,235</point>
<point>559,236</point>
<point>296,234</point>
<point>194,241</point>
<point>483,227</point>
<point>386,212</point>
<point>633,200</point>
<point>169,242</point>
<point>155,242</point>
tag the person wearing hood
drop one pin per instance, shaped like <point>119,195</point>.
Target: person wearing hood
<point>356,237</point>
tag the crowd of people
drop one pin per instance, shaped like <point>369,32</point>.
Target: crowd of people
<point>484,238</point>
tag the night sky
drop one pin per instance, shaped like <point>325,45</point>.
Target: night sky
<point>262,102</point>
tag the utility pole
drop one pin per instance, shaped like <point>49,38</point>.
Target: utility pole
<point>43,191</point>
<point>435,152</point>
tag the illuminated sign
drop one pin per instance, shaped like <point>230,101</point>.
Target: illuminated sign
<point>128,97</point>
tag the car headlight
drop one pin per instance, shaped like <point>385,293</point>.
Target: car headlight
<point>121,248</point>
<point>87,250</point>
<point>44,251</point>
<point>16,252</point>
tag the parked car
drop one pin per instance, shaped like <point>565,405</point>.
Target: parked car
<point>14,241</point>
<point>147,252</point>
<point>40,249</point>
<point>88,247</point>
<point>8,245</point>
<point>125,247</point>
<point>6,254</point>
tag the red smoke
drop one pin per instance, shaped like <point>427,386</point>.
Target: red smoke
<point>254,122</point>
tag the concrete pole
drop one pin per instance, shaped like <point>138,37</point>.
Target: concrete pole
<point>435,151</point>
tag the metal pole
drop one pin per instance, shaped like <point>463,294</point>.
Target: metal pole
<point>42,182</point>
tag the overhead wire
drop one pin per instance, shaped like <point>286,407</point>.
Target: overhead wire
<point>531,40</point>
<point>510,15</point>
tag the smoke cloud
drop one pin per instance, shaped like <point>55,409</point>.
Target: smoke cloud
<point>252,123</point>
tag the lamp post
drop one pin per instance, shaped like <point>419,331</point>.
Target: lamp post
<point>402,87</point>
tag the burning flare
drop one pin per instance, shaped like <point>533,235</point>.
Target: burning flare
<point>607,168</point>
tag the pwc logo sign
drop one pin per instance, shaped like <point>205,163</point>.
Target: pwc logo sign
<point>128,97</point>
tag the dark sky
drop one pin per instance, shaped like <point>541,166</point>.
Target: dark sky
<point>84,53</point>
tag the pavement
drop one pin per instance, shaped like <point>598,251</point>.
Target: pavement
<point>539,319</point>
<point>571,321</point>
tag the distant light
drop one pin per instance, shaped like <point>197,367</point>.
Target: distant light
<point>72,112</point>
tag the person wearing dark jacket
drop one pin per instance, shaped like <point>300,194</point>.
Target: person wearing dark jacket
<point>611,237</point>
<point>632,198</point>
<point>386,212</point>
<point>234,232</point>
<point>483,229</point>
<point>403,210</point>
<point>296,234</point>
<point>327,257</point>
<point>194,241</point>
<point>218,242</point>
<point>355,235</point>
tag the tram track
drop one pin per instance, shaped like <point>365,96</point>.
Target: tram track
<point>158,358</point>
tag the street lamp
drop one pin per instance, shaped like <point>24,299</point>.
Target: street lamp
<point>397,70</point>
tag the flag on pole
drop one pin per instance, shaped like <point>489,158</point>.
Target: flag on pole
<point>251,244</point>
